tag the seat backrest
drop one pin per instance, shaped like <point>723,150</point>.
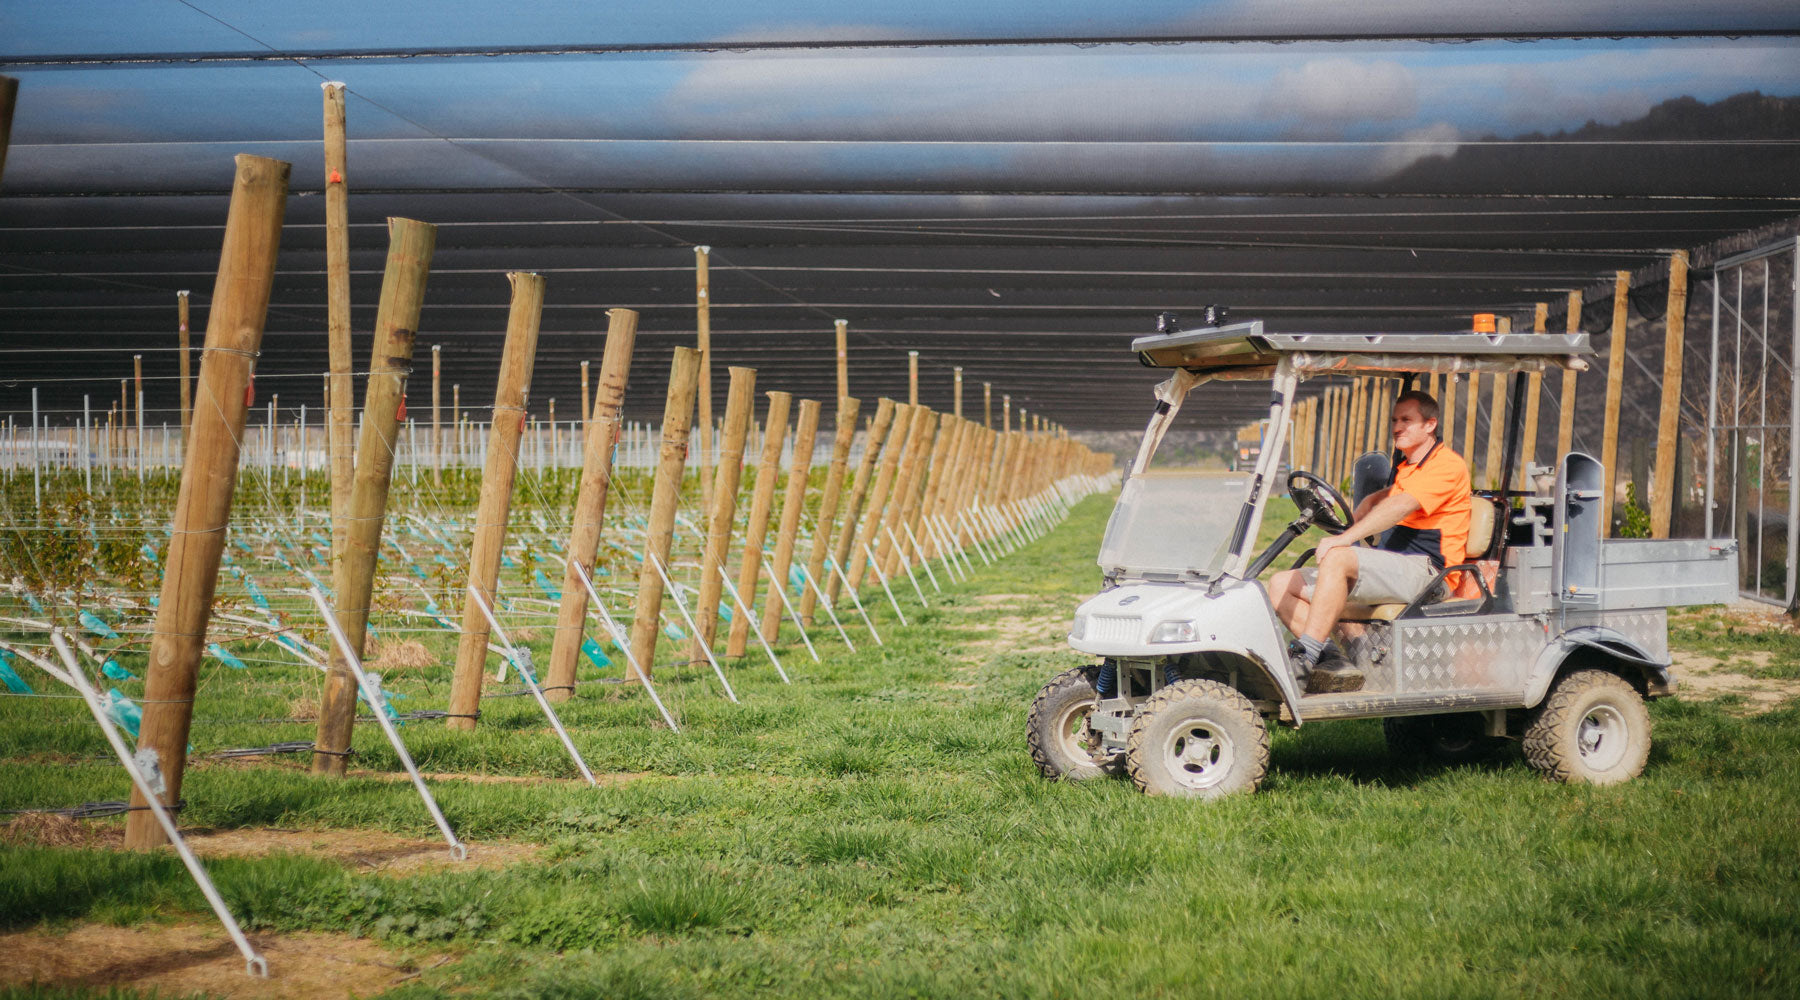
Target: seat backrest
<point>1481,529</point>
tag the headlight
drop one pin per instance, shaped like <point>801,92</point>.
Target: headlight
<point>1179,631</point>
<point>1079,629</point>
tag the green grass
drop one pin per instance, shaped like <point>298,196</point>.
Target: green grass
<point>877,830</point>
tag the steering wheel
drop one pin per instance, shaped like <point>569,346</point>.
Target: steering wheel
<point>1319,501</point>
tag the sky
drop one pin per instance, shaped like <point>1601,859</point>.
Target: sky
<point>1193,114</point>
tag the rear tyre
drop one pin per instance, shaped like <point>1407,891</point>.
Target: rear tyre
<point>1197,739</point>
<point>1592,728</point>
<point>1056,729</point>
<point>1460,738</point>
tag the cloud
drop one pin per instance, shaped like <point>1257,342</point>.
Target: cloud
<point>1342,90</point>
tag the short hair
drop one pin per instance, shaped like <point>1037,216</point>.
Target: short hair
<point>1428,407</point>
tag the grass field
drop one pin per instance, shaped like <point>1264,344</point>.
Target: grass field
<point>877,830</point>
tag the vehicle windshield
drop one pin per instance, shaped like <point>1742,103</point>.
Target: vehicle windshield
<point>1172,523</point>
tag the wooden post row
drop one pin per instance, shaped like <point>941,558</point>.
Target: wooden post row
<point>879,429</point>
<point>1668,423</point>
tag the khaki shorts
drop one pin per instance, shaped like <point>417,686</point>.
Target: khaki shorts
<point>1384,577</point>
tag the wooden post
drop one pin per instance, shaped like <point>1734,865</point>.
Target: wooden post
<point>829,501</point>
<point>456,432</point>
<point>1615,390</point>
<point>587,521</point>
<point>410,245</point>
<point>338,420</point>
<point>678,417</point>
<point>1005,413</point>
<point>1496,419</point>
<point>234,329</point>
<point>912,377</point>
<point>906,489</point>
<point>437,426</point>
<point>905,428</point>
<point>187,386</point>
<point>806,428</point>
<point>1668,422</point>
<point>987,405</point>
<point>587,399</point>
<point>740,399</point>
<point>1534,388</point>
<point>843,359</point>
<point>1565,417</point>
<point>137,395</point>
<point>956,392</point>
<point>879,428</point>
<point>756,529</point>
<point>703,341</point>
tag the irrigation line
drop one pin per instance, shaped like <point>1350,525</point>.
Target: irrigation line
<point>675,592</point>
<point>523,663</point>
<point>254,964</point>
<point>372,692</point>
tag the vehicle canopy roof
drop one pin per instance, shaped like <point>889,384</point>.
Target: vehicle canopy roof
<point>1245,351</point>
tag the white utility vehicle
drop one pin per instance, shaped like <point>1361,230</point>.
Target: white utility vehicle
<point>1566,642</point>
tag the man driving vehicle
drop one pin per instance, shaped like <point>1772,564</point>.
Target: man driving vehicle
<point>1427,506</point>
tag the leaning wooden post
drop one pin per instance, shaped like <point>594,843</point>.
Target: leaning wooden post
<point>879,428</point>
<point>410,245</point>
<point>517,360</point>
<point>829,502</point>
<point>740,400</point>
<point>1565,417</point>
<point>1447,410</point>
<point>187,385</point>
<point>1668,422</point>
<point>1497,418</point>
<point>912,377</point>
<point>678,418</point>
<point>905,428</point>
<point>703,341</point>
<point>1471,410</point>
<point>1615,390</point>
<point>234,328</point>
<point>906,489</point>
<point>1534,388</point>
<point>437,426</point>
<point>338,420</point>
<point>756,528</point>
<point>793,501</point>
<point>590,501</point>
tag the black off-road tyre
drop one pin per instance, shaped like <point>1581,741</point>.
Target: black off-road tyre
<point>1592,728</point>
<point>1056,728</point>
<point>1197,739</point>
<point>1451,740</point>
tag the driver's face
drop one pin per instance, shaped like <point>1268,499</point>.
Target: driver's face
<point>1410,427</point>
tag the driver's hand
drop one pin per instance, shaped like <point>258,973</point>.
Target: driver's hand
<point>1328,543</point>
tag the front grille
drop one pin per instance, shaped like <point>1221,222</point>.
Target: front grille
<point>1106,628</point>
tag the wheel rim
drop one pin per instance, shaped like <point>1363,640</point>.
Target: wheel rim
<point>1073,734</point>
<point>1198,753</point>
<point>1601,736</point>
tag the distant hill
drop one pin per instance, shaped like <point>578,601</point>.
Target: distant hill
<point>1643,170</point>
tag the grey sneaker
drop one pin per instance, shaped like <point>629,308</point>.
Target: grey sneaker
<point>1334,674</point>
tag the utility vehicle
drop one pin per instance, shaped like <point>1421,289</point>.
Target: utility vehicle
<point>1566,642</point>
